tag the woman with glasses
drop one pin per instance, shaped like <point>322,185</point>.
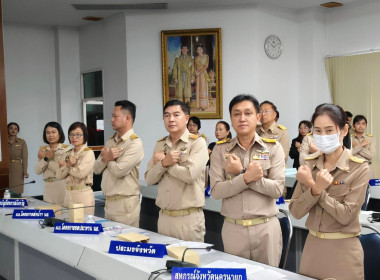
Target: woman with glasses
<point>270,130</point>
<point>331,190</point>
<point>304,128</point>
<point>49,157</point>
<point>77,167</point>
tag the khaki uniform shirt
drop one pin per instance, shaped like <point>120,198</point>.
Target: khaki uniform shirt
<point>278,132</point>
<point>305,149</point>
<point>49,168</point>
<point>81,173</point>
<point>180,186</point>
<point>121,176</point>
<point>367,152</point>
<point>18,164</point>
<point>258,199</point>
<point>337,208</point>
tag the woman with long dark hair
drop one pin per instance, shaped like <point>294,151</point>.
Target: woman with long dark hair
<point>304,128</point>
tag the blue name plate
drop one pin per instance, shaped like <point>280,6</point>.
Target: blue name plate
<point>137,249</point>
<point>32,214</point>
<point>374,182</point>
<point>13,203</point>
<point>184,273</point>
<point>78,228</point>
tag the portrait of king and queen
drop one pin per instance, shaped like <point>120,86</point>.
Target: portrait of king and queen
<point>191,71</point>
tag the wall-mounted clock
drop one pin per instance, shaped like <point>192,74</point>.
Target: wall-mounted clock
<point>273,46</point>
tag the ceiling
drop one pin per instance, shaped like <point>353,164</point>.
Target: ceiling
<point>61,13</point>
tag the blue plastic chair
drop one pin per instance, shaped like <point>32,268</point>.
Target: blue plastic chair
<point>287,233</point>
<point>371,248</point>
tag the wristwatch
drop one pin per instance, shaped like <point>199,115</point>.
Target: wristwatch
<point>243,171</point>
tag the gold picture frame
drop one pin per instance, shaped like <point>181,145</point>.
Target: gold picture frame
<point>192,70</point>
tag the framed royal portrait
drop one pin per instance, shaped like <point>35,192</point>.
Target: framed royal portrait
<point>192,70</point>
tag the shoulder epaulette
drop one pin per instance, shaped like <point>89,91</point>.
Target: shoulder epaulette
<point>369,135</point>
<point>310,133</point>
<point>162,139</point>
<point>204,136</point>
<point>43,147</point>
<point>352,134</point>
<point>312,157</point>
<point>223,141</point>
<point>65,146</point>
<point>357,159</point>
<point>87,149</point>
<point>269,140</point>
<point>113,136</point>
<point>193,136</point>
<point>281,126</point>
<point>134,136</point>
<point>21,139</point>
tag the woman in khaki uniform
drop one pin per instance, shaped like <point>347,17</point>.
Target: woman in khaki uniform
<point>363,146</point>
<point>48,163</point>
<point>18,159</point>
<point>331,189</point>
<point>77,167</point>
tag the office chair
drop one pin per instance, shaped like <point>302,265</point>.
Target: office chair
<point>287,233</point>
<point>367,197</point>
<point>371,248</point>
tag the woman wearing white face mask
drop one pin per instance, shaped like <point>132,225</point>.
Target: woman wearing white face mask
<point>331,189</point>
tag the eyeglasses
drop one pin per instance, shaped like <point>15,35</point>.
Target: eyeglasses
<point>266,112</point>
<point>75,135</point>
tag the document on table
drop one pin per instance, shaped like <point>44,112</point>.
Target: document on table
<point>192,244</point>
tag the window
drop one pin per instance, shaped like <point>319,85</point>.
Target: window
<point>92,84</point>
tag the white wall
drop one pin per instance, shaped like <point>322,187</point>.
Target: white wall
<point>33,63</point>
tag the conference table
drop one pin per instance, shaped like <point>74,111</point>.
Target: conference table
<point>31,252</point>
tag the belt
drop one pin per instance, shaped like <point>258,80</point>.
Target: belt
<point>332,235</point>
<point>184,212</point>
<point>15,160</point>
<point>77,188</point>
<point>117,197</point>
<point>52,179</point>
<point>249,222</point>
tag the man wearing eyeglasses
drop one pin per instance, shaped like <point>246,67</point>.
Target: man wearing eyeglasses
<point>269,130</point>
<point>119,162</point>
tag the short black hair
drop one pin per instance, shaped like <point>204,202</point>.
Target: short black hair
<point>81,126</point>
<point>184,106</point>
<point>348,114</point>
<point>335,112</point>
<point>184,45</point>
<point>274,108</point>
<point>196,121</point>
<point>359,118</point>
<point>13,123</point>
<point>60,131</point>
<point>129,106</point>
<point>244,97</point>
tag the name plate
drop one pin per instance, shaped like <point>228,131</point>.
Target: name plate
<point>374,182</point>
<point>32,214</point>
<point>13,203</point>
<point>137,249</point>
<point>78,228</point>
<point>184,273</point>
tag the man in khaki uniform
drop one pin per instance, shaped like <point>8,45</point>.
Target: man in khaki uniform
<point>270,129</point>
<point>183,75</point>
<point>178,167</point>
<point>249,175</point>
<point>119,162</point>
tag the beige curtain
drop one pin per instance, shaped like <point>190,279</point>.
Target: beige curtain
<point>355,85</point>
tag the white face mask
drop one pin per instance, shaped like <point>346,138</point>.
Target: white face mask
<point>327,144</point>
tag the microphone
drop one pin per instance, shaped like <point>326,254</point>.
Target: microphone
<point>10,188</point>
<point>50,222</point>
<point>176,263</point>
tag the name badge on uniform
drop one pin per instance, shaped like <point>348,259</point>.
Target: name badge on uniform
<point>260,156</point>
